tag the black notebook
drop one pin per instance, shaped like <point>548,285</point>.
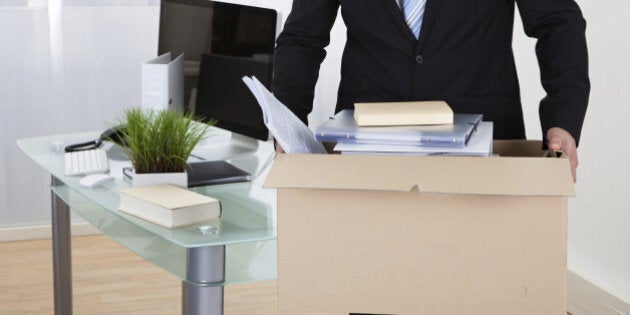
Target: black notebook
<point>214,172</point>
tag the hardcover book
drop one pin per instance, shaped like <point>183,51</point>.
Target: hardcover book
<point>168,205</point>
<point>403,113</point>
<point>343,128</point>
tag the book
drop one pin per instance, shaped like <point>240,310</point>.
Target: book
<point>403,113</point>
<point>343,128</point>
<point>480,144</point>
<point>168,205</point>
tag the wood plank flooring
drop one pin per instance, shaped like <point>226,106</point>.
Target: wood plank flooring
<point>108,279</point>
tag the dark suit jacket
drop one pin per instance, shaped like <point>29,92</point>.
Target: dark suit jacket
<point>464,56</point>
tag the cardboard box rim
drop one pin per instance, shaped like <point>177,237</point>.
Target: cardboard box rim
<point>519,170</point>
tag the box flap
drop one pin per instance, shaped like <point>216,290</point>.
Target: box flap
<point>516,176</point>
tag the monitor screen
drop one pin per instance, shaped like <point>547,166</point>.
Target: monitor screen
<point>221,42</point>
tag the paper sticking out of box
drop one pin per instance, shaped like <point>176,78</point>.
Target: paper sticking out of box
<point>290,132</point>
<point>403,113</point>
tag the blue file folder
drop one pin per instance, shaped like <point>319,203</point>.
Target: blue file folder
<point>343,128</point>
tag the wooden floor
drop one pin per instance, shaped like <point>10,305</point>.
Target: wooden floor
<point>109,279</point>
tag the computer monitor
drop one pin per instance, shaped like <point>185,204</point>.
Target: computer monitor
<point>221,42</point>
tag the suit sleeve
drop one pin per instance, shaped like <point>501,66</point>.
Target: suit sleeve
<point>300,51</point>
<point>563,59</point>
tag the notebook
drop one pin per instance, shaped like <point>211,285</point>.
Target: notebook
<point>214,173</point>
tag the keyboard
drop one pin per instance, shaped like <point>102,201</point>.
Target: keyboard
<point>85,162</point>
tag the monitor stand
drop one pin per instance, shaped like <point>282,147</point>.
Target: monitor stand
<point>224,145</point>
<point>248,154</point>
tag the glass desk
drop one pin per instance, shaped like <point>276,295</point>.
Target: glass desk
<point>239,247</point>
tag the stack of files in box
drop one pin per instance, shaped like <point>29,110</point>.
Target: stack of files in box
<point>468,136</point>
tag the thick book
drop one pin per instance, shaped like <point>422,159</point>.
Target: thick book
<point>403,113</point>
<point>480,144</point>
<point>343,128</point>
<point>168,205</point>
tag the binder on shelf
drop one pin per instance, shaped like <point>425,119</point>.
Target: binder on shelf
<point>343,128</point>
<point>163,82</point>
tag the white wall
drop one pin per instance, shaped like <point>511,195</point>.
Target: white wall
<point>69,68</point>
<point>599,221</point>
<point>65,67</point>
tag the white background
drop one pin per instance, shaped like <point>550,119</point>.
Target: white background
<point>69,66</point>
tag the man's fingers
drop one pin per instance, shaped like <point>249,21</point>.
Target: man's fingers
<point>555,143</point>
<point>279,149</point>
<point>560,139</point>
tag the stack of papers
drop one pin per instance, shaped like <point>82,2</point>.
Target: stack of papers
<point>466,136</point>
<point>480,144</point>
<point>343,128</point>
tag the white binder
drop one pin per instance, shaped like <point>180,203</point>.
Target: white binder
<point>163,82</point>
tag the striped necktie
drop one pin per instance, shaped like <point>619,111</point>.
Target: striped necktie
<point>414,12</point>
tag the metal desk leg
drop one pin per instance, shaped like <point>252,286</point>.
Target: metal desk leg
<point>62,259</point>
<point>204,266</point>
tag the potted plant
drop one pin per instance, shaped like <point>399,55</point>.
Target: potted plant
<point>159,143</point>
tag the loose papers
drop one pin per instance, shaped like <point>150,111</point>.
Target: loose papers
<point>288,130</point>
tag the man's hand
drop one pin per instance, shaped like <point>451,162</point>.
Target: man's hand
<point>559,139</point>
<point>279,149</point>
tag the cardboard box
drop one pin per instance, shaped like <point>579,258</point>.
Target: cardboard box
<point>423,235</point>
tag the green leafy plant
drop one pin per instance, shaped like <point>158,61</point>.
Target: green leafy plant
<point>161,141</point>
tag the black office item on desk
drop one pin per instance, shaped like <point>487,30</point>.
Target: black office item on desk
<point>84,146</point>
<point>208,173</point>
<point>202,28</point>
<point>214,173</point>
<point>115,134</point>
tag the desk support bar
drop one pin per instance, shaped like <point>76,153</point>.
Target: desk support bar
<point>204,266</point>
<point>62,258</point>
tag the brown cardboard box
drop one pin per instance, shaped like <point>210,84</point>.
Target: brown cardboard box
<point>423,235</point>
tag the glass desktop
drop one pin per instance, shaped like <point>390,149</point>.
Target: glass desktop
<point>246,227</point>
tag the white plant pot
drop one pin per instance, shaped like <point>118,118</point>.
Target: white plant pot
<point>146,179</point>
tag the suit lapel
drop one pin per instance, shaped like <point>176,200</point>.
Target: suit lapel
<point>431,12</point>
<point>395,13</point>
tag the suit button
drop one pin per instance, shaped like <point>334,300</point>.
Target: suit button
<point>419,59</point>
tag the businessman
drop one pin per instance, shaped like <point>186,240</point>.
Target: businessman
<point>459,51</point>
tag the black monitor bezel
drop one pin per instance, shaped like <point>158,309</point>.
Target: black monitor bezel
<point>246,130</point>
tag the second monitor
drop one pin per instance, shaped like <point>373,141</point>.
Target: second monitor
<point>221,42</point>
